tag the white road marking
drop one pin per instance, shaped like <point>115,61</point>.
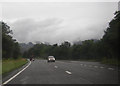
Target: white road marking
<point>56,66</point>
<point>68,72</point>
<point>96,66</point>
<point>28,59</point>
<point>111,68</point>
<point>17,74</point>
<point>81,64</point>
<point>90,65</point>
<point>101,67</point>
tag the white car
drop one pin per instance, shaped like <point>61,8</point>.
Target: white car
<point>51,59</point>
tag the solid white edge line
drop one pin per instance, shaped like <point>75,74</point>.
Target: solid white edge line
<point>16,74</point>
<point>68,72</point>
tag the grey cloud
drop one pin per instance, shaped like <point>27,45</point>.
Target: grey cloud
<point>26,30</point>
<point>57,22</point>
<point>55,30</point>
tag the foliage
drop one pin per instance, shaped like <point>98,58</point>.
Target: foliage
<point>88,49</point>
<point>11,64</point>
<point>111,38</point>
<point>10,48</point>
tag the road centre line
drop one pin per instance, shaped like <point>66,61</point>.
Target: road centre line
<point>96,66</point>
<point>56,66</point>
<point>111,68</point>
<point>17,74</point>
<point>101,67</point>
<point>68,72</point>
<point>81,64</point>
<point>90,65</point>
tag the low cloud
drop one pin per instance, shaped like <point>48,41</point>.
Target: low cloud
<point>58,22</point>
<point>26,30</point>
<point>55,30</point>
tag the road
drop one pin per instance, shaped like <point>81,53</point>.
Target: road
<point>67,72</point>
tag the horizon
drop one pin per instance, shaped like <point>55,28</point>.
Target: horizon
<point>56,22</point>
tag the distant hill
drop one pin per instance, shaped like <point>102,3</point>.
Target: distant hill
<point>77,42</point>
<point>24,47</point>
<point>80,42</point>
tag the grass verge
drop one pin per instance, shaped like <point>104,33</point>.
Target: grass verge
<point>111,61</point>
<point>12,64</point>
<point>0,67</point>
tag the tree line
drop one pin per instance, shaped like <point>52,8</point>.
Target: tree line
<point>10,47</point>
<point>107,46</point>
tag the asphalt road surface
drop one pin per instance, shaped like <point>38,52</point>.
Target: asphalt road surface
<point>67,72</point>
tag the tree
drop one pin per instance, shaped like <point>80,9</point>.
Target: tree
<point>111,37</point>
<point>88,49</point>
<point>10,48</point>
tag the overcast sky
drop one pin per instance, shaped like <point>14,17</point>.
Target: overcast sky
<point>55,22</point>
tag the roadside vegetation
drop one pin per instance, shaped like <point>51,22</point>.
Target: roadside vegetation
<point>0,67</point>
<point>9,65</point>
<point>104,50</point>
<point>111,61</point>
<point>10,51</point>
<point>10,47</point>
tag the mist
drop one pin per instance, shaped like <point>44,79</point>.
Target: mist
<point>58,22</point>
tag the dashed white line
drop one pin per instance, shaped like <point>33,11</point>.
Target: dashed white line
<point>81,64</point>
<point>68,72</point>
<point>56,66</point>
<point>111,68</point>
<point>90,65</point>
<point>17,74</point>
<point>96,66</point>
<point>101,67</point>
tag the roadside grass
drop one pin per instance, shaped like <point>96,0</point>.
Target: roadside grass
<point>111,61</point>
<point>12,64</point>
<point>0,67</point>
